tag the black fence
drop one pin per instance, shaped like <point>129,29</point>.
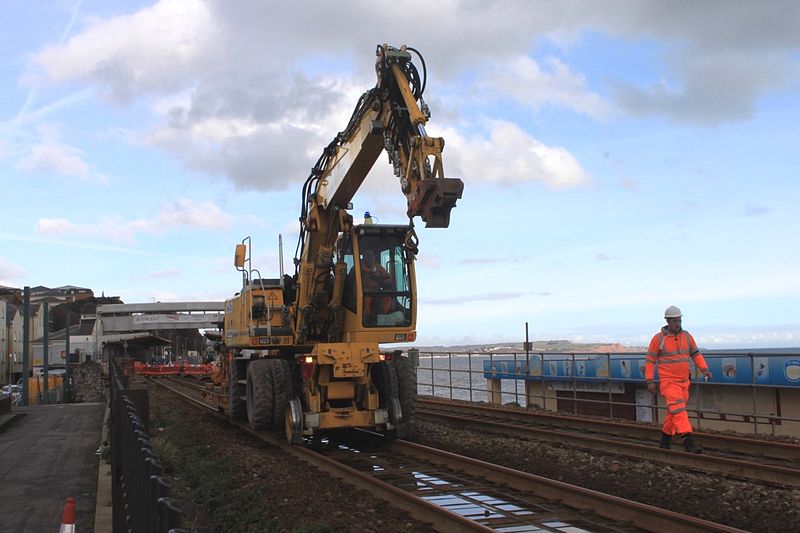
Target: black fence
<point>140,495</point>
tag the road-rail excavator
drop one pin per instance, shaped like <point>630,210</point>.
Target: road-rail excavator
<point>303,351</point>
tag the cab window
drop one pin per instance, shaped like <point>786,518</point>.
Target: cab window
<point>385,281</point>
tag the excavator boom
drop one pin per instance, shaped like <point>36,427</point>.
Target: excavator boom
<point>390,116</point>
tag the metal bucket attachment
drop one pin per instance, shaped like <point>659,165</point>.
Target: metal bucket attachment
<point>434,200</point>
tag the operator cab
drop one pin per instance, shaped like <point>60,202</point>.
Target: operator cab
<point>379,286</point>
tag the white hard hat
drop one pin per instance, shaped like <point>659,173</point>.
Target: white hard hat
<point>672,312</point>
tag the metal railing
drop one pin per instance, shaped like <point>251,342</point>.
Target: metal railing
<point>140,495</point>
<point>564,381</point>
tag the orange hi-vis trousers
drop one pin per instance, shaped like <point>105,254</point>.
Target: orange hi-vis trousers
<point>676,394</point>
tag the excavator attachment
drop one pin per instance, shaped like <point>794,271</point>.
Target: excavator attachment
<point>434,200</point>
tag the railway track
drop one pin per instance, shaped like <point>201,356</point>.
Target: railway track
<point>456,493</point>
<point>738,457</point>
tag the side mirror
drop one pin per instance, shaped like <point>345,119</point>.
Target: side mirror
<point>239,256</point>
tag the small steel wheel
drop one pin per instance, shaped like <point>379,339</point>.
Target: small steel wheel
<point>395,411</point>
<point>294,421</point>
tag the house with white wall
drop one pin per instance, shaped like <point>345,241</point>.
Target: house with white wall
<point>5,366</point>
<point>12,325</point>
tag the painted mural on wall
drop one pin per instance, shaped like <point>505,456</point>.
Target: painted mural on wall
<point>759,369</point>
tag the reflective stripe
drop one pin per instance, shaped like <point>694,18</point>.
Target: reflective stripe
<point>676,411</point>
<point>673,361</point>
<point>679,352</point>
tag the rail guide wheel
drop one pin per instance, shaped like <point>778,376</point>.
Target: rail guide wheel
<point>395,411</point>
<point>294,421</point>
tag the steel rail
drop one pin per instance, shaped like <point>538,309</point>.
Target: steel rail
<point>754,447</point>
<point>639,515</point>
<point>441,519</point>
<point>642,515</point>
<point>765,473</point>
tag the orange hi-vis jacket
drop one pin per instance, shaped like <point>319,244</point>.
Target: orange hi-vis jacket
<point>672,353</point>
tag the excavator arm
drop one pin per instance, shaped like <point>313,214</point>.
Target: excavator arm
<point>391,116</point>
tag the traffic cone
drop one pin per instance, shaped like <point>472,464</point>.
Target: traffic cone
<point>68,518</point>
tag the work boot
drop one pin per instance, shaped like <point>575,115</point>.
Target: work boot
<point>665,440</point>
<point>690,445</point>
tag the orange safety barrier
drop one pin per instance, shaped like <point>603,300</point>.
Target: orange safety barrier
<point>182,369</point>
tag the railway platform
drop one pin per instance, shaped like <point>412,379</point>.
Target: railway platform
<point>48,453</point>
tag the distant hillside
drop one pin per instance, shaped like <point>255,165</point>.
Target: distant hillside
<point>538,346</point>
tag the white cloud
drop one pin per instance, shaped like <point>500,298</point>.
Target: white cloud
<point>51,155</point>
<point>524,80</point>
<point>511,155</point>
<point>180,213</point>
<point>152,49</point>
<point>62,159</point>
<point>9,271</point>
<point>249,92</point>
<point>189,213</point>
<point>259,140</point>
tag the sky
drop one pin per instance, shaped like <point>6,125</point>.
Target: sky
<point>617,157</point>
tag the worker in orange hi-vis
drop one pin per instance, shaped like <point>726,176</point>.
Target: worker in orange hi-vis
<point>671,349</point>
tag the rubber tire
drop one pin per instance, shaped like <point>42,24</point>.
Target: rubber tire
<point>236,407</point>
<point>407,385</point>
<point>283,390</point>
<point>259,395</point>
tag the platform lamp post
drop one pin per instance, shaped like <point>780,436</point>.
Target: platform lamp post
<point>528,348</point>
<point>26,343</point>
<point>46,350</point>
<point>68,360</point>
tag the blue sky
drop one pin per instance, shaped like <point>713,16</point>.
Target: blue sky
<point>618,157</point>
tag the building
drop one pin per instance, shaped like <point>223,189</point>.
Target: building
<point>11,326</point>
<point>5,365</point>
<point>82,342</point>
<point>83,339</point>
<point>75,294</point>
<point>66,293</point>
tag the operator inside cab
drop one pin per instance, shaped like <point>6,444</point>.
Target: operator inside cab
<point>385,283</point>
<point>374,279</point>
